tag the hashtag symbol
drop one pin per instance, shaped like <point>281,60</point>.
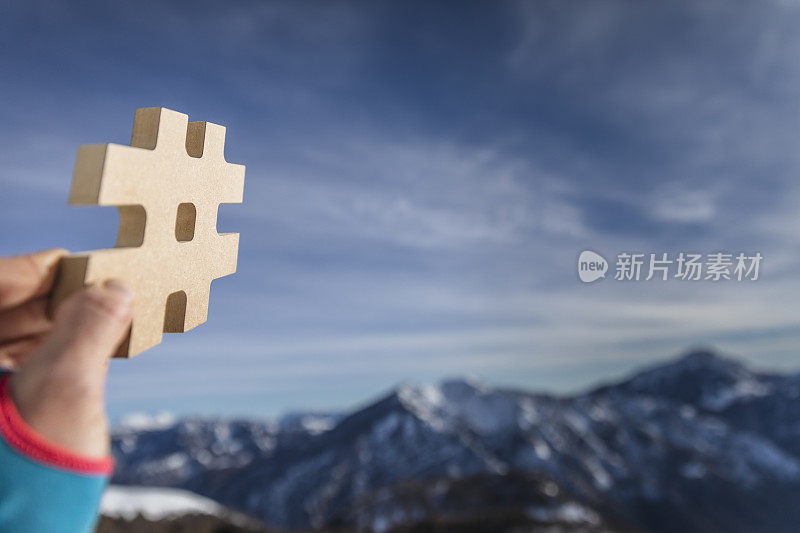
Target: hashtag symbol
<point>167,186</point>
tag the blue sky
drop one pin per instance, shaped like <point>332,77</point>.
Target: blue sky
<point>421,177</point>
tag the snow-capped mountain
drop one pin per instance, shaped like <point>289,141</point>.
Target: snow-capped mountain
<point>698,444</point>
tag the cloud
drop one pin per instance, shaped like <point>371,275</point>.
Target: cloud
<point>675,205</point>
<point>434,194</point>
<point>419,186</point>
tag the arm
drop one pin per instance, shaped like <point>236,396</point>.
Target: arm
<point>54,449</point>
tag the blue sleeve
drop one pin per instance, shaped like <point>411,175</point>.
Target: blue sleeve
<point>44,488</point>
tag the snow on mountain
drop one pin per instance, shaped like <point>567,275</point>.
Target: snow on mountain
<point>145,422</point>
<point>570,512</point>
<point>679,446</point>
<point>313,423</point>
<point>175,454</point>
<point>463,403</point>
<point>705,379</point>
<point>154,503</point>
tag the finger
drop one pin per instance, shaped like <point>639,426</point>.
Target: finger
<point>14,353</point>
<point>89,325</point>
<point>29,318</point>
<point>27,276</point>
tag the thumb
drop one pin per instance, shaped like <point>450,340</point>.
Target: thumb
<point>58,389</point>
<point>89,325</point>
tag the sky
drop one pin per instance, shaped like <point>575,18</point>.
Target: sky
<point>421,177</point>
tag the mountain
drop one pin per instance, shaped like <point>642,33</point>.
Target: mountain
<point>698,444</point>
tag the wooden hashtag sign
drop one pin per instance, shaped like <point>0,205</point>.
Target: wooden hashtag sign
<point>167,186</point>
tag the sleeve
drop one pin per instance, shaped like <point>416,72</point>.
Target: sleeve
<point>44,488</point>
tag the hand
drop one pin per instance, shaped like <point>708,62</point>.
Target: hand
<point>60,365</point>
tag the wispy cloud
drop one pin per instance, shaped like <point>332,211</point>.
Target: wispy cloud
<point>419,185</point>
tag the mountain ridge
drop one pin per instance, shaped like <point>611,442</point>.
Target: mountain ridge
<point>627,454</point>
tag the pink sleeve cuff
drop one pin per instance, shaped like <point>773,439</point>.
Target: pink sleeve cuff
<point>28,443</point>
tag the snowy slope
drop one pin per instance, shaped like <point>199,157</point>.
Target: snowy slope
<point>154,503</point>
